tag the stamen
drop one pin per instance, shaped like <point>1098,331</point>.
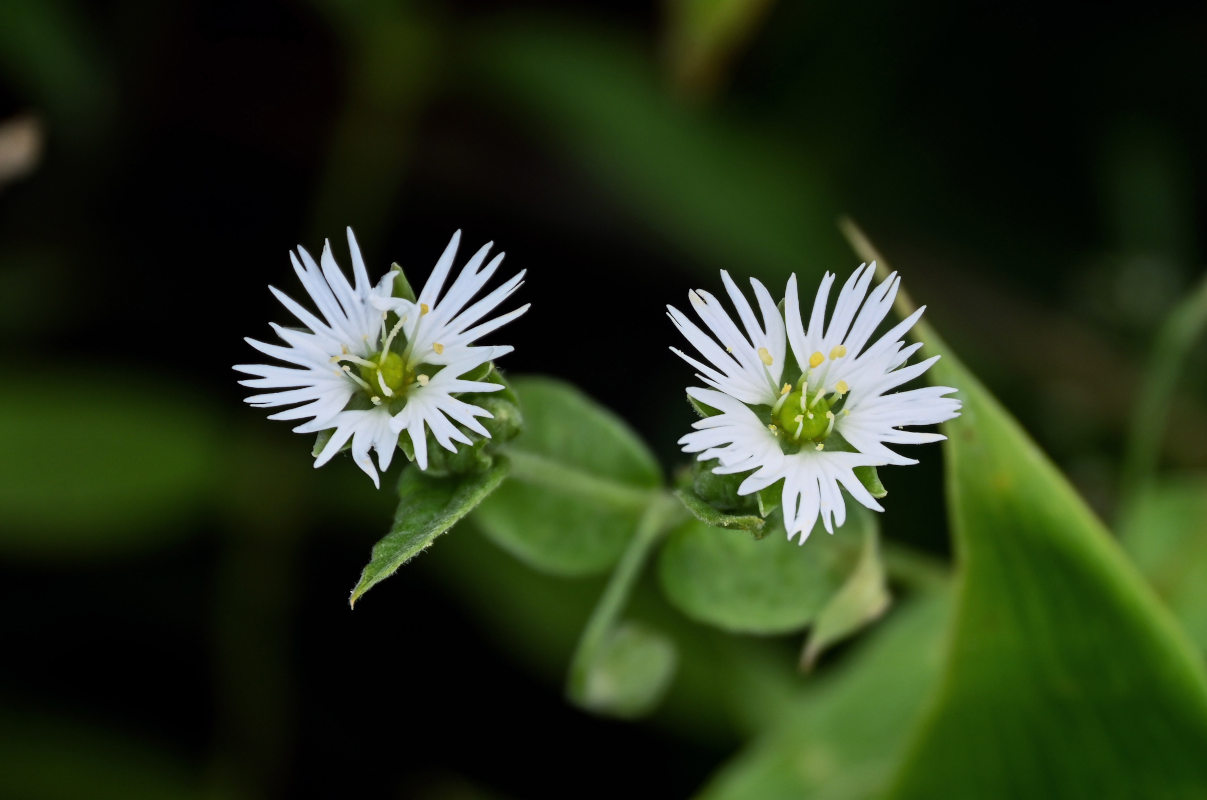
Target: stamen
<point>816,359</point>
<point>361,382</point>
<point>787,388</point>
<point>765,356</point>
<point>422,379</point>
<point>773,429</point>
<point>830,416</point>
<point>393,332</point>
<point>375,400</point>
<point>800,427</point>
<point>838,352</point>
<point>381,381</point>
<point>820,446</point>
<point>842,387</point>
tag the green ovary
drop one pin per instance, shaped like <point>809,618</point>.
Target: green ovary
<point>391,369</point>
<point>794,415</point>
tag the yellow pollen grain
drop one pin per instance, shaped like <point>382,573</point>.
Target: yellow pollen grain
<point>841,387</point>
<point>765,356</point>
<point>439,348</point>
<point>816,359</point>
<point>424,308</point>
<point>839,351</point>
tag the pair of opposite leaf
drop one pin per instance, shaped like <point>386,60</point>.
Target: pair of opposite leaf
<point>805,406</point>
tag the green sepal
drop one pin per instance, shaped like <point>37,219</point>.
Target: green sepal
<point>428,506</point>
<point>720,491</point>
<point>769,498</point>
<point>700,408</point>
<point>718,519</point>
<point>871,481</point>
<point>402,287</point>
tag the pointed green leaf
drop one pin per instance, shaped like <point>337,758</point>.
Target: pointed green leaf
<point>580,480</point>
<point>629,675</point>
<point>1166,534</point>
<point>427,507</point>
<point>861,600</point>
<point>843,733</point>
<point>1065,676</point>
<point>746,585</point>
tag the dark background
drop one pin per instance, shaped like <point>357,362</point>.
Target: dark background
<point>1035,170</point>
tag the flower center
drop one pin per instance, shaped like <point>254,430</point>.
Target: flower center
<point>804,417</point>
<point>801,416</point>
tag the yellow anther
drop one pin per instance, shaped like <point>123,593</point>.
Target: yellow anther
<point>422,379</point>
<point>424,308</point>
<point>439,348</point>
<point>816,359</point>
<point>375,400</point>
<point>765,356</point>
<point>820,446</point>
<point>841,387</point>
<point>772,428</point>
<point>787,388</point>
<point>839,351</point>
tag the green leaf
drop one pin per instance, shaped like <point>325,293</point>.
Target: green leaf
<point>861,600</point>
<point>629,674</point>
<point>580,480</point>
<point>115,473</point>
<point>718,519</point>
<point>746,585</point>
<point>843,733</point>
<point>48,758</point>
<point>428,506</point>
<point>1065,675</point>
<point>703,36</point>
<point>1165,532</point>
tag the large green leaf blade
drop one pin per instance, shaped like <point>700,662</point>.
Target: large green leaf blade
<point>428,505</point>
<point>581,479</point>
<point>1065,676</point>
<point>842,733</point>
<point>1165,532</point>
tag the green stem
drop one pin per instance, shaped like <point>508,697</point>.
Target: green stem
<point>540,471</point>
<point>1174,340</point>
<point>661,512</point>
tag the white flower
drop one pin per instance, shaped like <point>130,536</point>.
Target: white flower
<point>812,421</point>
<point>372,365</point>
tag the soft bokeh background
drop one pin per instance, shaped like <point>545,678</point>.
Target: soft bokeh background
<point>174,574</point>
